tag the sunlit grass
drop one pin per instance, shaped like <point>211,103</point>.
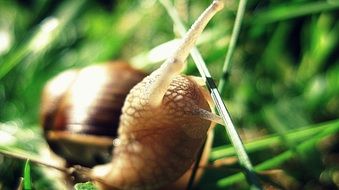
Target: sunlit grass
<point>27,176</point>
<point>282,90</point>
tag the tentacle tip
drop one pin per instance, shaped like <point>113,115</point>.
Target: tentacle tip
<point>218,5</point>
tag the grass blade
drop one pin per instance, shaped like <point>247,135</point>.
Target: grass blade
<point>298,136</point>
<point>24,155</point>
<point>27,176</point>
<point>234,38</point>
<point>293,10</point>
<point>331,128</point>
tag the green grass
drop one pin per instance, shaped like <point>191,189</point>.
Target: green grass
<point>84,186</point>
<point>282,89</point>
<point>27,176</point>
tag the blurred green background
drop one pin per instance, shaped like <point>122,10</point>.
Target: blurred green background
<point>282,91</point>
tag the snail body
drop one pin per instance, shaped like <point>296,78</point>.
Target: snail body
<point>80,110</point>
<point>164,122</point>
<point>152,152</point>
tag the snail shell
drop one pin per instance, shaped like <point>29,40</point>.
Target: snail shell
<point>80,110</point>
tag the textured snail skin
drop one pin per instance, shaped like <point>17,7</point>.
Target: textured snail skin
<point>81,108</point>
<point>182,182</point>
<point>157,144</point>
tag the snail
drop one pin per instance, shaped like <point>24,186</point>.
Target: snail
<point>80,110</point>
<point>164,121</point>
<point>91,144</point>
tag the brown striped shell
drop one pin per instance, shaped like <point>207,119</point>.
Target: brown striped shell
<point>80,110</point>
